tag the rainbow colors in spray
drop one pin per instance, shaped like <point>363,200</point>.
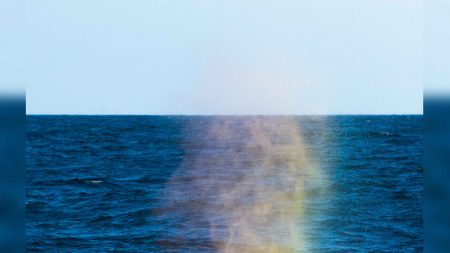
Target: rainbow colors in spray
<point>246,179</point>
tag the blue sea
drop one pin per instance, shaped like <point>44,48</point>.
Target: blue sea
<point>224,183</point>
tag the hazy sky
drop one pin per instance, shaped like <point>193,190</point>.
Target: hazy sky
<point>436,47</point>
<point>214,57</point>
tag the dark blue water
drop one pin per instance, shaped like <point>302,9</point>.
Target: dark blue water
<point>157,184</point>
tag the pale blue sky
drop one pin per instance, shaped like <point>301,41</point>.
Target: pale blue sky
<point>436,47</point>
<point>214,57</point>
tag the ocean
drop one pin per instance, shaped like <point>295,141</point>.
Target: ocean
<point>224,183</point>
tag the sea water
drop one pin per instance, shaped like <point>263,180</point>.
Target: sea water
<point>224,183</point>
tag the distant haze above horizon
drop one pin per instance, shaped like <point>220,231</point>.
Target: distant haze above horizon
<point>215,57</point>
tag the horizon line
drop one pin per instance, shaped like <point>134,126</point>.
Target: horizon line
<point>232,115</point>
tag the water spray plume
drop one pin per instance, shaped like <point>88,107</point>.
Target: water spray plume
<point>251,174</point>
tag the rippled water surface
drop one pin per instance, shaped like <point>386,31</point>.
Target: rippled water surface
<point>224,184</point>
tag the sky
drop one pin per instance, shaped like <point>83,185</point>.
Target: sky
<point>214,57</point>
<point>436,49</point>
